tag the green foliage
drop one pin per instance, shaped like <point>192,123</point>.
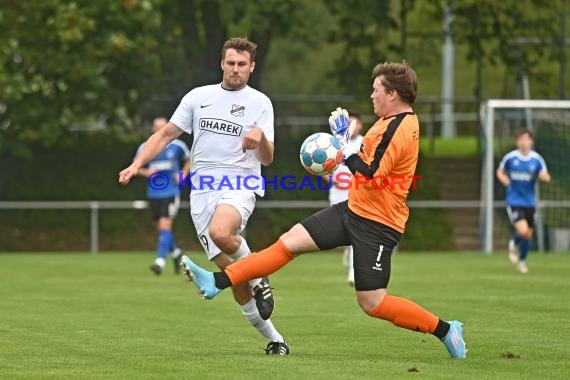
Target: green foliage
<point>66,64</point>
<point>266,21</point>
<point>113,64</point>
<point>516,33</point>
<point>361,30</point>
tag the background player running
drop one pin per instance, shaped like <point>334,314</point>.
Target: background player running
<point>518,171</point>
<point>164,196</point>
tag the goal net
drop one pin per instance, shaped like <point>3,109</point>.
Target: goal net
<point>549,120</point>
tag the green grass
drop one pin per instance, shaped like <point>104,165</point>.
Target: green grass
<point>465,146</point>
<point>106,316</point>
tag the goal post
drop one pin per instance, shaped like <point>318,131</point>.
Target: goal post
<point>549,120</point>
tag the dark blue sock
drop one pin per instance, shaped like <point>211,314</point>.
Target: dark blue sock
<point>525,247</point>
<point>164,243</point>
<point>517,238</point>
<point>173,245</point>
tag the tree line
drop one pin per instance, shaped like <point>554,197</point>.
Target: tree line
<point>113,64</point>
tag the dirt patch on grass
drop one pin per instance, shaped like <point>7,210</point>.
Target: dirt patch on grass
<point>509,355</point>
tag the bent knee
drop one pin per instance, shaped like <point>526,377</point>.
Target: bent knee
<point>292,232</point>
<point>525,234</point>
<point>164,224</point>
<point>285,236</point>
<point>369,300</point>
<point>221,237</point>
<point>523,229</point>
<point>366,308</point>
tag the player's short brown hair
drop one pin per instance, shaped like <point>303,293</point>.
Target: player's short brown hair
<point>524,131</point>
<point>399,77</point>
<point>354,114</point>
<point>240,44</point>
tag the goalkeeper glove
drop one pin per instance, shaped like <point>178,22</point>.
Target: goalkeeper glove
<point>342,128</point>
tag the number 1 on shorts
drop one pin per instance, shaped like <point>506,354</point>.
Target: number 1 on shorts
<point>380,253</point>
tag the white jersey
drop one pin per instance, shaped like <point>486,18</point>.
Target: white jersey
<point>219,120</point>
<point>337,195</point>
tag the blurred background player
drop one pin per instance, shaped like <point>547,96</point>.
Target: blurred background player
<point>372,220</point>
<point>164,197</point>
<point>233,127</point>
<point>339,191</point>
<point>518,171</point>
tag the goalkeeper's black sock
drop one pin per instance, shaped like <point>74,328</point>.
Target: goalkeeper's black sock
<point>222,280</point>
<point>441,329</point>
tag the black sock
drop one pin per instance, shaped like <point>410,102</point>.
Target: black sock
<point>223,281</point>
<point>441,329</point>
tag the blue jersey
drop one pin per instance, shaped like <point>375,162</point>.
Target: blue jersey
<point>523,172</point>
<point>170,163</point>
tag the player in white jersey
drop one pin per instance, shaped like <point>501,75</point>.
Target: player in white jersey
<point>232,125</point>
<point>339,190</point>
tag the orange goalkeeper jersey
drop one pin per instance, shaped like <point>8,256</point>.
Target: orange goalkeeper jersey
<point>384,170</point>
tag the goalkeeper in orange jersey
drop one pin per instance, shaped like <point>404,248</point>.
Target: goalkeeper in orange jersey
<point>372,220</point>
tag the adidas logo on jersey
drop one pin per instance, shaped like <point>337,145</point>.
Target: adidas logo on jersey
<point>220,126</point>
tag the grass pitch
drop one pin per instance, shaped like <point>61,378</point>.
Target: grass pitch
<point>107,316</point>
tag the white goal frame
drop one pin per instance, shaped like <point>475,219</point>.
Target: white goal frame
<point>488,170</point>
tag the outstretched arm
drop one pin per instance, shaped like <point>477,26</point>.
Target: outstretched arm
<point>145,172</point>
<point>152,148</point>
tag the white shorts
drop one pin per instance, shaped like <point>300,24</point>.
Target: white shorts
<point>337,196</point>
<point>203,205</point>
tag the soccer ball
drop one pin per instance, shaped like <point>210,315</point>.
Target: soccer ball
<point>320,154</point>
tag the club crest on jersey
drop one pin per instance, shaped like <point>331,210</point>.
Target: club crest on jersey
<point>219,126</point>
<point>237,110</point>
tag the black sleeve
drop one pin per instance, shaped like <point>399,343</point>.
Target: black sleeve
<point>356,165</point>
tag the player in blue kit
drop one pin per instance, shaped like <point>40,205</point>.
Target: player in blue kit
<point>518,171</point>
<point>163,194</point>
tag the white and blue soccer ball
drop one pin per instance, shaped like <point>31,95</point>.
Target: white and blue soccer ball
<point>321,153</point>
